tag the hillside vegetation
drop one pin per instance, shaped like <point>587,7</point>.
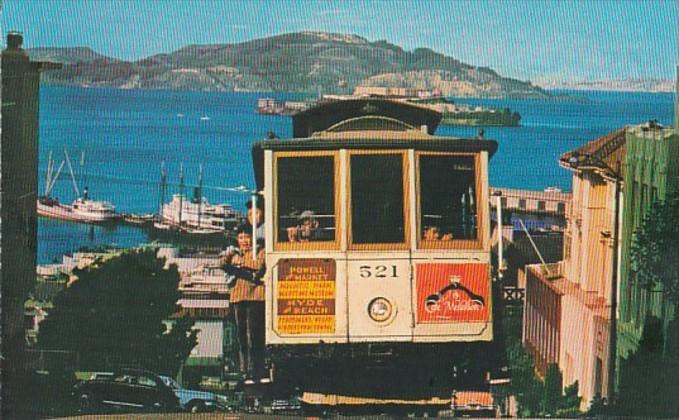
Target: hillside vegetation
<point>296,62</point>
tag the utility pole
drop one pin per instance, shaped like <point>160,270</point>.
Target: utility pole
<point>200,193</point>
<point>613,336</point>
<point>163,184</point>
<point>181,192</point>
<point>500,257</point>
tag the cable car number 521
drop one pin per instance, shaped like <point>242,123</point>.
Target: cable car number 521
<point>380,271</point>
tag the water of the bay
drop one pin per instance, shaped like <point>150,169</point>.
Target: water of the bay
<point>126,134</point>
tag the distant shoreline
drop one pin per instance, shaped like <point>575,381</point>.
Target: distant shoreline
<point>607,89</point>
<point>49,84</point>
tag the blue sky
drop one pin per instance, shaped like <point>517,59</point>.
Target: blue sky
<point>537,40</point>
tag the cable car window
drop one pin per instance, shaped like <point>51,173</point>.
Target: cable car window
<point>377,199</point>
<point>448,198</point>
<point>306,199</point>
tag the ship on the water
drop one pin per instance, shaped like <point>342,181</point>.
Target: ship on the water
<point>271,106</point>
<point>197,215</point>
<point>82,209</point>
<point>139,219</point>
<point>194,220</point>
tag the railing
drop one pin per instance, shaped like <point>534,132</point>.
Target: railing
<point>513,295</point>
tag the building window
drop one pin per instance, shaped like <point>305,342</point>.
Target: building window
<point>561,208</point>
<point>598,376</point>
<point>306,205</point>
<point>522,203</point>
<point>447,198</point>
<point>567,246</point>
<point>542,205</point>
<point>377,199</point>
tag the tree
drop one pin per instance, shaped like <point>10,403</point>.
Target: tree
<point>655,265</point>
<point>116,313</point>
<point>570,401</point>
<point>655,249</point>
<point>551,396</point>
<point>649,382</point>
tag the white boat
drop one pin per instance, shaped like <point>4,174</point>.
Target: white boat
<point>52,208</point>
<point>83,209</point>
<point>93,211</point>
<point>196,216</point>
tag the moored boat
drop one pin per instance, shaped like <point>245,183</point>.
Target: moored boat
<point>93,211</point>
<point>52,208</point>
<point>194,220</point>
<point>139,219</point>
<point>82,209</point>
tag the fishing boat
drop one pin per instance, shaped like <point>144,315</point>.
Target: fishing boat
<point>92,211</point>
<point>48,206</point>
<point>52,208</point>
<point>198,214</point>
<point>82,209</point>
<point>192,219</point>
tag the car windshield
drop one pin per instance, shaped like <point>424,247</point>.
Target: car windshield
<point>170,382</point>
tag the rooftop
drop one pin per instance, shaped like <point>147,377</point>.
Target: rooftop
<point>651,130</point>
<point>325,115</point>
<point>609,149</point>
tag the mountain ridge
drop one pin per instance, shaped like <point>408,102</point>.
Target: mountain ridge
<point>293,62</point>
<point>67,55</point>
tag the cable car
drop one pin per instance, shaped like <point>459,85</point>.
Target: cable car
<point>378,239</point>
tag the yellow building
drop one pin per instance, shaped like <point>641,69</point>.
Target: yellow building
<point>574,329</point>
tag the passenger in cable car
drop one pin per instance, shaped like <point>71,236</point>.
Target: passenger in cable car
<point>446,235</point>
<point>307,228</point>
<point>435,233</point>
<point>431,233</point>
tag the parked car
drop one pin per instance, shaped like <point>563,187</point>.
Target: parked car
<point>101,375</point>
<point>196,401</point>
<point>126,389</point>
<point>291,407</point>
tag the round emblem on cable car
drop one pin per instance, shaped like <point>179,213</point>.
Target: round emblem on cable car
<point>380,309</point>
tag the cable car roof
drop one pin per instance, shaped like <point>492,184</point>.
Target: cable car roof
<point>326,114</point>
<point>366,123</point>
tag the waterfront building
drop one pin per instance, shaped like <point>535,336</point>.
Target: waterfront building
<point>392,92</point>
<point>567,311</point>
<point>18,186</point>
<point>214,353</point>
<point>552,201</point>
<point>205,298</point>
<point>652,174</point>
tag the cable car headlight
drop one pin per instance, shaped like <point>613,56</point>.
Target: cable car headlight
<point>380,309</point>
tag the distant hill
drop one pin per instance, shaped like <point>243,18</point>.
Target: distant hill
<point>67,56</point>
<point>295,62</point>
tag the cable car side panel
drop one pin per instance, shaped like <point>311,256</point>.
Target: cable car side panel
<point>365,295</point>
